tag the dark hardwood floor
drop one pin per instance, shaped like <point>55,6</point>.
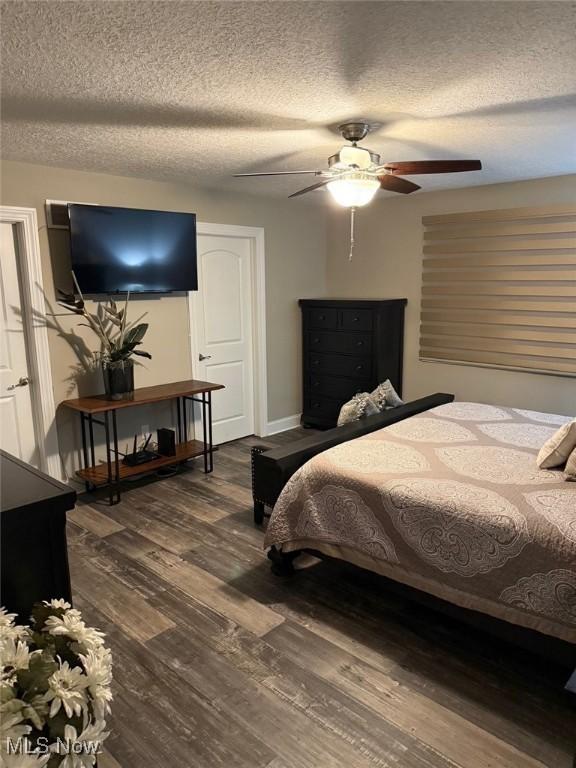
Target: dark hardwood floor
<point>219,663</point>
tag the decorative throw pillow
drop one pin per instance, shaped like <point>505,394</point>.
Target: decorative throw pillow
<point>570,468</point>
<point>359,406</point>
<point>556,450</point>
<point>385,396</point>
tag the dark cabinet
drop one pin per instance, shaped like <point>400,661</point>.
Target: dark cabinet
<point>33,552</point>
<point>349,346</point>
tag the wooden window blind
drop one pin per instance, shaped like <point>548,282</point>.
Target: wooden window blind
<point>499,289</point>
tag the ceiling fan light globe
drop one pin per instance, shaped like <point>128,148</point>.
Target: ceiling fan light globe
<point>355,156</point>
<point>354,192</point>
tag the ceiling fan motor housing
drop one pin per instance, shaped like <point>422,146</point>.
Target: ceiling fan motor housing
<point>354,131</point>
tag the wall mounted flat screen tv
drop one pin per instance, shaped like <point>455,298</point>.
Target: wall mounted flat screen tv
<point>115,250</point>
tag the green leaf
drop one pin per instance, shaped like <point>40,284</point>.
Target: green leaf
<point>43,641</point>
<point>69,298</point>
<point>113,317</point>
<point>41,612</point>
<point>35,678</point>
<point>70,308</point>
<point>136,334</point>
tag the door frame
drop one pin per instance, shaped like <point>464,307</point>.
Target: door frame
<point>258,277</point>
<point>25,222</point>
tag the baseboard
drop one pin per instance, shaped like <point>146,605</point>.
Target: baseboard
<point>282,425</point>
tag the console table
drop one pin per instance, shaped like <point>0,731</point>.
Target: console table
<point>112,471</point>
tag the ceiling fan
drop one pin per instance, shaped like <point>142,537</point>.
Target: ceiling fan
<point>355,174</point>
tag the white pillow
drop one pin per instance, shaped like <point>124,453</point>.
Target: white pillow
<point>385,396</point>
<point>359,406</point>
<point>558,448</point>
<point>570,468</point>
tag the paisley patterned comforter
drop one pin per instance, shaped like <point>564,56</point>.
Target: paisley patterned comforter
<point>450,502</point>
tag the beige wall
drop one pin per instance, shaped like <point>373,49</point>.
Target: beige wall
<point>295,236</point>
<point>306,256</point>
<point>388,263</point>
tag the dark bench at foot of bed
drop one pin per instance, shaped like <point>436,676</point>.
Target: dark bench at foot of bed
<point>272,468</point>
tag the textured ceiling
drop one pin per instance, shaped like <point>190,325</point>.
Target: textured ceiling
<point>196,91</point>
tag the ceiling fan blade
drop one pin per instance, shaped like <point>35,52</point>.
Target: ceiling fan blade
<point>396,184</point>
<point>432,166</point>
<point>277,173</point>
<point>309,189</point>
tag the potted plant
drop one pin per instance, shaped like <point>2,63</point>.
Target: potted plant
<point>119,340</point>
<point>55,689</point>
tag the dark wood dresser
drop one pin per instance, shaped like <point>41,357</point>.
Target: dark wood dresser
<point>349,346</point>
<point>34,555</point>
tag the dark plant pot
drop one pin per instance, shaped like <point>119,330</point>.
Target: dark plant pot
<point>118,379</point>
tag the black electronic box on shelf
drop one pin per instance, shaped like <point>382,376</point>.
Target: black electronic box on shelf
<point>139,457</point>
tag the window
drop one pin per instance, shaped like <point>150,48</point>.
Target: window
<point>499,289</point>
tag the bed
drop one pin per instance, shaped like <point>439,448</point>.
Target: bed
<point>451,503</point>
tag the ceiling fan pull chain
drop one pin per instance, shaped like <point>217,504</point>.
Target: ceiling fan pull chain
<point>352,212</point>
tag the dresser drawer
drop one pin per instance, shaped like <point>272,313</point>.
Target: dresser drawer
<point>322,407</point>
<point>323,318</point>
<point>340,341</point>
<point>340,365</point>
<point>339,388</point>
<point>357,319</point>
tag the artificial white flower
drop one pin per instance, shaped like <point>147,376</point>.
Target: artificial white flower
<point>98,669</point>
<point>59,603</point>
<point>80,750</point>
<point>24,760</point>
<point>11,631</point>
<point>6,619</point>
<point>72,626</point>
<point>92,639</point>
<point>12,725</point>
<point>14,655</point>
<point>67,689</point>
<point>81,691</point>
<point>69,624</point>
<point>7,673</point>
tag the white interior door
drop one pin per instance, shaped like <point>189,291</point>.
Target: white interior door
<point>222,330</point>
<point>17,434</point>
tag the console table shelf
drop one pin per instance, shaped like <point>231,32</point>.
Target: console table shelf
<point>112,471</point>
<point>98,475</point>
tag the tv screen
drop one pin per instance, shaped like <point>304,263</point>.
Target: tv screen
<point>125,249</point>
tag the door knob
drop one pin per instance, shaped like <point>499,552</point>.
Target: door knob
<point>23,381</point>
<point>203,357</point>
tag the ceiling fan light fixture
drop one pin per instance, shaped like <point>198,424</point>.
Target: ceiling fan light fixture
<point>355,156</point>
<point>354,190</point>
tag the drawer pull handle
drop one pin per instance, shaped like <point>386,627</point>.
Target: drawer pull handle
<point>359,367</point>
<point>316,384</point>
<point>322,317</point>
<point>315,362</point>
<point>355,319</point>
<point>359,343</point>
<point>315,341</point>
<point>316,405</point>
